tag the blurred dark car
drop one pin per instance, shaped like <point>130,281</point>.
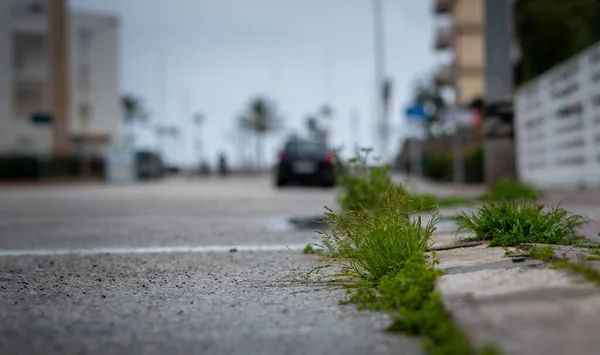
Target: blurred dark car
<point>148,165</point>
<point>305,162</point>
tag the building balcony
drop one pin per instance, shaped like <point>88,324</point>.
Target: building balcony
<point>467,27</point>
<point>468,70</point>
<point>443,38</point>
<point>443,7</point>
<point>444,76</point>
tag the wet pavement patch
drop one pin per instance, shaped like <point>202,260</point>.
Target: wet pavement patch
<point>309,223</point>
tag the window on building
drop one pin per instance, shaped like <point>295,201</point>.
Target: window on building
<point>29,97</point>
<point>30,69</point>
<point>29,52</point>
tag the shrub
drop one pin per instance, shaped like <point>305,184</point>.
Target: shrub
<point>510,223</point>
<point>439,166</point>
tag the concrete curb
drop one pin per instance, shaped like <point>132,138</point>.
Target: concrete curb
<point>518,304</point>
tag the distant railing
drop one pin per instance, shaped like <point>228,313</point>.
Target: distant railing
<point>29,8</point>
<point>557,121</point>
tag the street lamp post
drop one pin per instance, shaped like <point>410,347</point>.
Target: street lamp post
<point>379,51</point>
<point>199,120</point>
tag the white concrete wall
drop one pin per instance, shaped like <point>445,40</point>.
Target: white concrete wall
<point>103,85</point>
<point>557,121</point>
<point>17,134</point>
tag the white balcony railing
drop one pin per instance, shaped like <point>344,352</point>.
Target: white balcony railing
<point>557,121</point>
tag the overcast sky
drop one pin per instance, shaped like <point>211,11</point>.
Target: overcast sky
<point>221,53</point>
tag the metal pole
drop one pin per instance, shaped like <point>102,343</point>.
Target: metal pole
<point>498,109</point>
<point>354,128</point>
<point>59,75</point>
<point>379,49</point>
<point>161,89</point>
<point>458,168</point>
<point>416,157</point>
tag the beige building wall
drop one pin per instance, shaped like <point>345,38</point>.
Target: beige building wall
<point>468,46</point>
<point>470,51</point>
<point>470,88</point>
<point>468,11</point>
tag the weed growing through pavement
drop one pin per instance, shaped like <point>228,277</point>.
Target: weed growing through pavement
<point>310,249</point>
<point>511,223</point>
<point>381,252</point>
<point>377,245</point>
<point>364,187</point>
<point>428,203</point>
<point>511,190</point>
<point>579,267</point>
<point>544,253</point>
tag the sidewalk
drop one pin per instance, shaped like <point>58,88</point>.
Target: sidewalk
<point>518,303</point>
<point>423,186</point>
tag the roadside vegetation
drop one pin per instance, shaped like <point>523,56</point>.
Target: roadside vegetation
<point>379,251</point>
<point>511,223</point>
<point>378,246</point>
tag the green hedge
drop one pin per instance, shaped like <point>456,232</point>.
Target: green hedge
<point>22,167</point>
<point>439,166</point>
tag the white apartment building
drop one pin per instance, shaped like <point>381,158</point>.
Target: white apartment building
<point>95,113</point>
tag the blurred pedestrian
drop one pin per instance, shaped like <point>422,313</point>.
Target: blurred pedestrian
<point>223,167</point>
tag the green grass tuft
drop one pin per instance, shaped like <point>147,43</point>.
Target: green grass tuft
<point>310,249</point>
<point>364,188</point>
<point>545,253</point>
<point>510,223</point>
<point>428,203</point>
<point>511,190</point>
<point>376,246</point>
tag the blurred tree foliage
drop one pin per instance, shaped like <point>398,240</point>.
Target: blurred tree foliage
<point>428,92</point>
<point>260,118</point>
<point>551,31</point>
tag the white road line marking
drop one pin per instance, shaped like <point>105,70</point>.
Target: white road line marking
<point>152,250</point>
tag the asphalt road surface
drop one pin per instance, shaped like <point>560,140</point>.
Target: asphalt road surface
<point>151,269</point>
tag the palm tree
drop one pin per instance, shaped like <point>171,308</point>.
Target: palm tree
<point>133,112</point>
<point>260,119</point>
<point>132,107</point>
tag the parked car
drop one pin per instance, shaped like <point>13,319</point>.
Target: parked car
<point>148,165</point>
<point>305,162</point>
